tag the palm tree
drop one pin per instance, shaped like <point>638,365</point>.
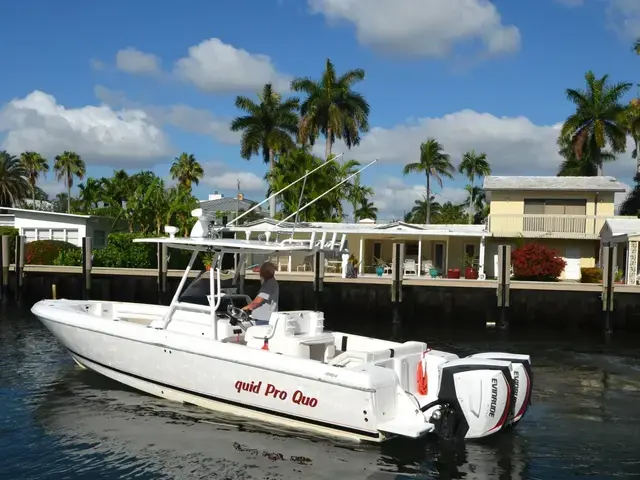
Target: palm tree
<point>186,170</point>
<point>367,210</point>
<point>14,187</point>
<point>631,204</point>
<point>451,214</point>
<point>418,213</point>
<point>474,165</point>
<point>433,163</point>
<point>267,128</point>
<point>332,108</point>
<point>68,166</point>
<point>599,118</point>
<point>572,166</point>
<point>35,164</point>
<point>358,195</point>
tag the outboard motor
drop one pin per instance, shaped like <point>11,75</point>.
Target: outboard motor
<point>522,379</point>
<point>475,398</point>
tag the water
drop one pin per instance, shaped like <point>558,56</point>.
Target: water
<point>60,422</point>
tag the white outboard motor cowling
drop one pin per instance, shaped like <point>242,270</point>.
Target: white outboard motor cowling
<point>475,398</point>
<point>522,379</point>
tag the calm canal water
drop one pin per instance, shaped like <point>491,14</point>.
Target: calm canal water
<point>59,422</point>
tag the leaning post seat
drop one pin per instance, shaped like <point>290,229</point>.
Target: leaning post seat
<point>297,333</point>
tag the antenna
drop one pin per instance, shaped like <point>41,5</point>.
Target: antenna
<point>283,189</point>
<point>332,188</point>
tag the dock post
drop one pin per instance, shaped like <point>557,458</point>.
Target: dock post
<point>609,256</point>
<point>318,279</point>
<point>20,261</point>
<point>86,267</point>
<point>163,268</point>
<point>397,268</point>
<point>6,263</point>
<point>504,284</point>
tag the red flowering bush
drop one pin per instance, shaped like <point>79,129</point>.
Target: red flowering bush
<point>536,262</point>
<point>44,252</point>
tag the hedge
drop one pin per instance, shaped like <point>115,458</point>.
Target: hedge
<point>590,275</point>
<point>122,252</point>
<point>44,252</point>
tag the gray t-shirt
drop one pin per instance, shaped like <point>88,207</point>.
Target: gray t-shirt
<point>270,292</point>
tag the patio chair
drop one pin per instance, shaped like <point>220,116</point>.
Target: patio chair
<point>409,267</point>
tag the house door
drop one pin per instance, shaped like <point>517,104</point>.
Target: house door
<point>377,252</point>
<point>572,257</point>
<point>439,256</point>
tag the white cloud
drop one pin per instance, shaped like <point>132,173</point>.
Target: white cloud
<point>182,116</point>
<point>215,66</point>
<point>132,60</point>
<point>623,16</point>
<point>394,197</point>
<point>98,133</point>
<point>429,28</point>
<point>514,145</point>
<point>217,175</point>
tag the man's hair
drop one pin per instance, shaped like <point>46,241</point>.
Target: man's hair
<point>267,270</point>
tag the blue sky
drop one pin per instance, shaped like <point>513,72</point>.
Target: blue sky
<point>131,85</point>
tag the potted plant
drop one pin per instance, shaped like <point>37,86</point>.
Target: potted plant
<point>433,272</point>
<point>380,264</point>
<point>207,260</point>
<point>453,273</point>
<point>470,271</point>
<point>619,278</point>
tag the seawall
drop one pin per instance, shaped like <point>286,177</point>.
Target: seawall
<point>427,303</point>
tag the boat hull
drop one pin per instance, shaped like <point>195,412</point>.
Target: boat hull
<point>249,391</point>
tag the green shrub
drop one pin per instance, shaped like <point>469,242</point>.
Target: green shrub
<point>590,275</point>
<point>12,233</point>
<point>44,252</point>
<point>69,258</point>
<point>121,252</point>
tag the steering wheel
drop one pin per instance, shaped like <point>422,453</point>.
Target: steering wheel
<point>238,315</point>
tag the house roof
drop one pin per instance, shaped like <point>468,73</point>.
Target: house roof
<point>47,213</point>
<point>394,228</point>
<point>590,184</point>
<point>226,204</point>
<point>620,227</point>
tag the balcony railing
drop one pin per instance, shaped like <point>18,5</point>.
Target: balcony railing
<point>570,226</point>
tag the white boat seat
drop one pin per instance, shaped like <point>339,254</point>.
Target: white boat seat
<point>259,332</point>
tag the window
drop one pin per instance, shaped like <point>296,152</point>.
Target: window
<point>470,250</point>
<point>546,215</point>
<point>99,238</point>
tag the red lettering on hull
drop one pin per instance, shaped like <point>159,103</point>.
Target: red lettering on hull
<point>298,397</point>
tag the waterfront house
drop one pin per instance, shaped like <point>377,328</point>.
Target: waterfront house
<point>564,213</point>
<point>224,209</point>
<point>69,227</point>
<point>442,247</point>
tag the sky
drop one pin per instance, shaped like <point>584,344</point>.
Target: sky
<point>133,84</point>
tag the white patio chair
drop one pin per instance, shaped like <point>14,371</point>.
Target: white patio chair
<point>409,267</point>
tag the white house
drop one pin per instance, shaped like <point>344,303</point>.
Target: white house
<point>42,225</point>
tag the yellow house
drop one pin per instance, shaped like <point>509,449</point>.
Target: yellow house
<point>427,247</point>
<point>563,213</point>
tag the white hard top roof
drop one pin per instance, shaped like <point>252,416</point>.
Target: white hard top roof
<point>231,244</point>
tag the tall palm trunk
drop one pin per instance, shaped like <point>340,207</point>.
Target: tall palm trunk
<point>598,154</point>
<point>327,148</point>
<point>68,192</point>
<point>472,202</point>
<point>272,200</point>
<point>33,194</point>
<point>428,199</point>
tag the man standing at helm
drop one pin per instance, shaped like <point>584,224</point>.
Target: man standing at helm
<point>266,302</point>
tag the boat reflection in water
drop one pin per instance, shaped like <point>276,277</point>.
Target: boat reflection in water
<point>96,421</point>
